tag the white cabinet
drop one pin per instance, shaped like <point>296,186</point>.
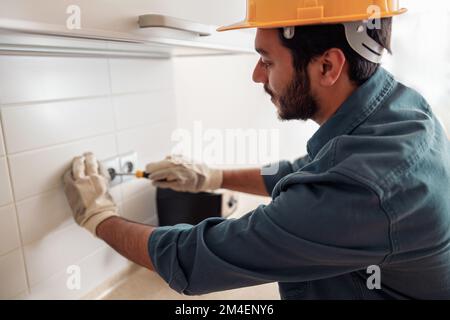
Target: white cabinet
<point>121,15</point>
<point>117,20</point>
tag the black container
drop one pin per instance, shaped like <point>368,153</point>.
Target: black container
<point>175,207</point>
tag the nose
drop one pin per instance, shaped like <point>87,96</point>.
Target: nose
<point>259,74</point>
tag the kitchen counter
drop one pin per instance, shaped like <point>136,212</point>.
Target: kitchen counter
<point>143,284</point>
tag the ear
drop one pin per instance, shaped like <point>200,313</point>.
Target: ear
<point>331,66</point>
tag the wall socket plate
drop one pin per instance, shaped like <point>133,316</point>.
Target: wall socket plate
<point>125,163</point>
<point>128,164</point>
<point>112,165</point>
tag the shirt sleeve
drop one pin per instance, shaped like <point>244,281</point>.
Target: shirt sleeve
<point>312,230</point>
<point>280,170</point>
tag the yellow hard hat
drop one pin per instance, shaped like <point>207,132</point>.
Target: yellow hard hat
<point>287,13</point>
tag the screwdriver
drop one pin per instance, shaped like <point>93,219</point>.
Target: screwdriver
<point>137,174</point>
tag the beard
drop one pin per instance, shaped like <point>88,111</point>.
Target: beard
<point>298,102</point>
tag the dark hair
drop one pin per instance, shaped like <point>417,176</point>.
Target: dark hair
<point>312,41</point>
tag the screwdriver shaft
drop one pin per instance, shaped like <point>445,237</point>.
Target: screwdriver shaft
<point>137,174</point>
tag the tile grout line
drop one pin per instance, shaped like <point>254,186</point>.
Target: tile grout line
<point>60,231</point>
<point>12,250</point>
<point>114,111</point>
<point>10,183</point>
<point>104,134</point>
<point>60,144</point>
<point>2,125</point>
<point>78,98</point>
<point>38,195</point>
<point>32,103</point>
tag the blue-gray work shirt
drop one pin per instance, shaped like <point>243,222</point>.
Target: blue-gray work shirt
<point>373,190</point>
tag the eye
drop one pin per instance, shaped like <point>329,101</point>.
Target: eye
<point>266,64</point>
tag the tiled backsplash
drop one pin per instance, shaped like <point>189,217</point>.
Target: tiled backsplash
<point>53,108</point>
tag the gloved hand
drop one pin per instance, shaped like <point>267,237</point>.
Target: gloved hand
<point>178,173</point>
<point>86,188</point>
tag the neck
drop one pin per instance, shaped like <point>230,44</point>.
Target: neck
<point>331,100</point>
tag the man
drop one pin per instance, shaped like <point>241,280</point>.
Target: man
<point>372,193</point>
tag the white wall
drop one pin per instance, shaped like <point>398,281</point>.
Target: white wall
<point>219,93</point>
<point>53,108</point>
<point>421,46</point>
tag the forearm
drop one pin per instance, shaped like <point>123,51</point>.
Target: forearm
<point>127,238</point>
<point>245,180</point>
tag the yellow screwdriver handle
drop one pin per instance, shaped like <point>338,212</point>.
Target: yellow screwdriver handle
<point>142,174</point>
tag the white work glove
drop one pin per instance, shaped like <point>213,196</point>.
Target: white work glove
<point>180,174</point>
<point>86,188</point>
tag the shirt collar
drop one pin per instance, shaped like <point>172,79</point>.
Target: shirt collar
<point>355,110</point>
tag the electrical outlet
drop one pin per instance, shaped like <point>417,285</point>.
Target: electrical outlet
<point>128,164</point>
<point>113,166</point>
<point>230,202</point>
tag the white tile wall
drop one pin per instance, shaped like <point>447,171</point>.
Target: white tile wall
<point>152,142</point>
<point>40,125</point>
<point>135,187</point>
<point>43,214</point>
<point>52,109</point>
<point>48,212</point>
<point>8,230</point>
<point>94,269</point>
<point>141,207</point>
<point>12,275</point>
<point>41,170</point>
<point>57,250</point>
<point>5,188</point>
<point>129,76</point>
<point>144,108</point>
<point>25,79</point>
<point>229,99</point>
<point>430,75</point>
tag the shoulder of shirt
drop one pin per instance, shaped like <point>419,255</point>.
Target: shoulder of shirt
<point>380,150</point>
<point>389,143</point>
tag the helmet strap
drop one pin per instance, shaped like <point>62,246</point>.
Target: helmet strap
<point>360,41</point>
